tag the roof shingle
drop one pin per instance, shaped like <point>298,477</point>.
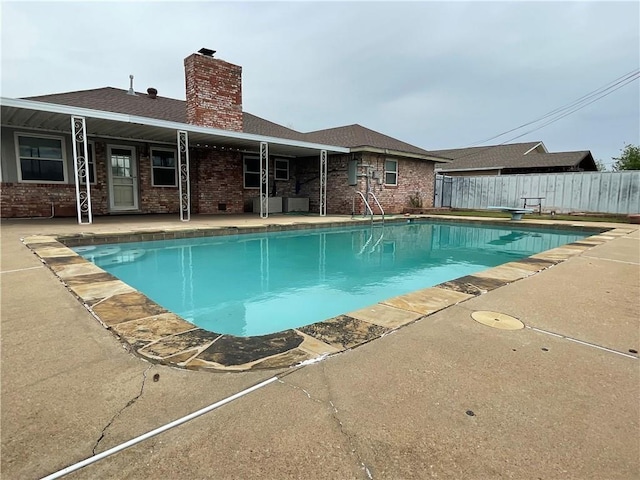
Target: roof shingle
<point>509,156</point>
<point>358,136</point>
<point>162,108</point>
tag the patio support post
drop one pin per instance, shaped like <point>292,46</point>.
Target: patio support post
<point>183,167</point>
<point>323,183</point>
<point>264,179</point>
<point>81,170</point>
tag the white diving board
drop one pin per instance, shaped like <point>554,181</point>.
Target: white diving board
<point>516,213</point>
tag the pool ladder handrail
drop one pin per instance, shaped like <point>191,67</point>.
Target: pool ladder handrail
<point>375,199</point>
<point>366,203</point>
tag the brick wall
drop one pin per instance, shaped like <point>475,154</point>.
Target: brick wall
<point>217,178</point>
<point>413,176</point>
<point>217,186</point>
<point>36,199</point>
<point>154,199</point>
<point>213,92</point>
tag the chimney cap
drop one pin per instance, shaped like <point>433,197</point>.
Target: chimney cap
<point>206,52</point>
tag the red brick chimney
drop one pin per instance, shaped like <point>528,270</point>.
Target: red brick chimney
<point>214,92</point>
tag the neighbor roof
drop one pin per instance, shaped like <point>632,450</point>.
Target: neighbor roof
<point>514,155</point>
<point>116,100</point>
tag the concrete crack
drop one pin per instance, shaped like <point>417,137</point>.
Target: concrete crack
<point>296,387</point>
<point>334,415</point>
<point>117,414</point>
<point>349,437</point>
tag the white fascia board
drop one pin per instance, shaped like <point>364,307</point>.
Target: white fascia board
<point>398,153</point>
<point>536,146</point>
<point>152,122</point>
<point>467,169</point>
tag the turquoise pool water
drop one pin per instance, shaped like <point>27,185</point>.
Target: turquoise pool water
<point>248,285</point>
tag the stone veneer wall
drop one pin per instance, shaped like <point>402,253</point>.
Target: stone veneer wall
<point>213,92</point>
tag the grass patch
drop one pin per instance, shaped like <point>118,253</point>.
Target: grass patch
<point>570,218</point>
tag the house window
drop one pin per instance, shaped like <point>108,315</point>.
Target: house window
<point>163,167</point>
<point>91,164</point>
<point>41,159</point>
<point>281,167</point>
<point>391,172</point>
<point>251,172</point>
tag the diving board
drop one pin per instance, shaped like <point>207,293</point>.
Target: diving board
<point>516,213</point>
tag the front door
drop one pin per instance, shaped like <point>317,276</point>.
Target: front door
<point>123,179</point>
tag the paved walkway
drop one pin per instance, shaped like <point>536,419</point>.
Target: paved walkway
<point>445,397</point>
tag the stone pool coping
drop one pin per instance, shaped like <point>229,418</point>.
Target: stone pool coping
<point>160,336</point>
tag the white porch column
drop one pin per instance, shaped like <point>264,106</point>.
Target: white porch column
<point>183,167</point>
<point>323,183</point>
<point>264,179</point>
<point>81,170</point>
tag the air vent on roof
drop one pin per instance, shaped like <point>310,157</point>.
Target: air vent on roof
<point>131,91</point>
<point>152,92</point>
<point>206,52</point>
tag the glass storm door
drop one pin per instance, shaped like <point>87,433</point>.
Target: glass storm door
<point>123,185</point>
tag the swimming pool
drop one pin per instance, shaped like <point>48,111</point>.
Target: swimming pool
<point>256,284</point>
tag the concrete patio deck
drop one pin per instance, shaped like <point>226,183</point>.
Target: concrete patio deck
<point>445,397</point>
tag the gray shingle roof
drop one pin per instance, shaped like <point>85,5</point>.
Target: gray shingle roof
<point>260,126</point>
<point>509,156</point>
<point>559,159</point>
<point>116,100</point>
<point>162,108</point>
<point>485,157</point>
<point>358,136</point>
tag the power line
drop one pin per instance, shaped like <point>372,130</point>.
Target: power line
<point>561,112</point>
<point>599,93</point>
<point>579,107</point>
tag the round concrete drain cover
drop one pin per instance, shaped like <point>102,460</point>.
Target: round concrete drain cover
<point>497,320</point>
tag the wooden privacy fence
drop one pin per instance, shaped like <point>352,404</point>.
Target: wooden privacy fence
<point>601,192</point>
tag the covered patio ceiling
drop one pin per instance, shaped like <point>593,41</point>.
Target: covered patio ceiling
<point>57,118</point>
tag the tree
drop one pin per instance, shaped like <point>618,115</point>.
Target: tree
<point>600,165</point>
<point>629,158</point>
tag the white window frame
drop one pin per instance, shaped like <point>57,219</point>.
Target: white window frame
<point>245,171</point>
<point>175,169</point>
<point>395,172</point>
<point>91,149</point>
<point>63,143</point>
<point>276,169</point>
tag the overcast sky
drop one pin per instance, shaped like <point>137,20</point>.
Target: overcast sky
<point>434,74</point>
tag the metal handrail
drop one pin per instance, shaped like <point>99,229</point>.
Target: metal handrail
<point>353,205</point>
<point>375,199</point>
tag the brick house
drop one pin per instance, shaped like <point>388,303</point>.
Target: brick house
<point>143,153</point>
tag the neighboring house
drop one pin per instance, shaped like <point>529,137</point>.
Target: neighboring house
<point>531,157</point>
<point>136,163</point>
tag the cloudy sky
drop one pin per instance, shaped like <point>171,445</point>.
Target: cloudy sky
<point>435,74</point>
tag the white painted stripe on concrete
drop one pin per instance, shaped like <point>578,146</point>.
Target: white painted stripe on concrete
<point>153,433</point>
<point>21,269</point>
<point>610,260</point>
<point>581,342</point>
<point>548,333</point>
